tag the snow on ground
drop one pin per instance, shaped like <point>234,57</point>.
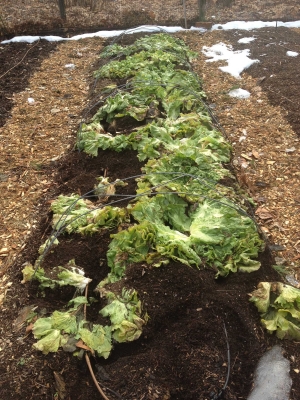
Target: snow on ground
<point>104,34</point>
<point>292,53</point>
<point>237,61</point>
<point>246,40</point>
<point>240,25</point>
<point>239,93</point>
<point>249,25</point>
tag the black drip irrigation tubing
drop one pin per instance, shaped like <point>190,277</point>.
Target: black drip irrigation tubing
<point>56,232</point>
<point>217,396</point>
<point>129,86</point>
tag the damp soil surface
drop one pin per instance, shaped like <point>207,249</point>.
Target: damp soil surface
<point>203,336</point>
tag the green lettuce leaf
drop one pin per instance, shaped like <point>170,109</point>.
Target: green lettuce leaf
<point>225,237</point>
<point>279,305</point>
<point>73,276</point>
<point>77,215</point>
<point>124,313</point>
<point>50,342</point>
<point>31,273</point>
<point>64,321</point>
<point>99,339</point>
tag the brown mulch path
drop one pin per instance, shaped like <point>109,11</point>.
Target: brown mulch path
<point>37,135</point>
<point>182,353</point>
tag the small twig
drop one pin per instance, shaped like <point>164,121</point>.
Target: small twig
<point>113,392</point>
<point>10,69</point>
<point>49,224</point>
<point>235,361</point>
<point>87,359</point>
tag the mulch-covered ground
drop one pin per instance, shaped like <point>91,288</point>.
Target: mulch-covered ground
<point>182,353</point>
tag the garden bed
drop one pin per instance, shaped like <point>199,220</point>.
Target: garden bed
<point>182,352</point>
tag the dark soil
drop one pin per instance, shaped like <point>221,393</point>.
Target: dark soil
<point>277,74</point>
<point>182,353</point>
<point>17,63</point>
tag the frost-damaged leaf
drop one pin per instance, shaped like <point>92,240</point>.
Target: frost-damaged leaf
<point>41,327</point>
<point>130,245</point>
<point>38,274</point>
<point>64,321</point>
<point>52,241</point>
<point>50,342</point>
<point>99,339</point>
<point>216,232</point>
<point>124,313</point>
<point>77,301</point>
<point>279,305</point>
<point>74,214</point>
<point>161,41</point>
<point>74,277</point>
<point>62,276</point>
<point>261,296</point>
<point>226,237</point>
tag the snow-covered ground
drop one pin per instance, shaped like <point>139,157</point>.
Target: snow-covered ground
<point>240,25</point>
<point>237,61</point>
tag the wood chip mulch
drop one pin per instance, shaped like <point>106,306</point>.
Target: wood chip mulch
<point>42,128</point>
<point>265,146</point>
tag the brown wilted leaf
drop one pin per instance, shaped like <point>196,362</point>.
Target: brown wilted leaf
<point>83,346</point>
<point>255,154</point>
<point>263,213</point>
<point>24,315</point>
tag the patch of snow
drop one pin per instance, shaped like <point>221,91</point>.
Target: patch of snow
<point>238,25</point>
<point>246,39</point>
<point>249,25</point>
<point>31,39</point>
<point>105,34</point>
<point>292,53</point>
<point>272,380</point>
<point>239,93</point>
<point>237,61</point>
<point>195,28</point>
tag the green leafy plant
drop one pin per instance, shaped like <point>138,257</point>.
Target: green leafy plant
<point>59,276</point>
<point>279,306</point>
<point>66,328</point>
<point>162,41</point>
<point>78,215</point>
<point>180,212</point>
